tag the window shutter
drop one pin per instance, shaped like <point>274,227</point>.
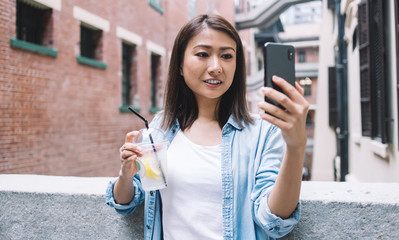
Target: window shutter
<point>377,58</point>
<point>365,81</point>
<point>332,97</point>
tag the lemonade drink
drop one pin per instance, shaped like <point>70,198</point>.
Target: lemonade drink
<point>152,165</point>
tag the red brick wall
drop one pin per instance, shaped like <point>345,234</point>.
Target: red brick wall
<point>59,117</point>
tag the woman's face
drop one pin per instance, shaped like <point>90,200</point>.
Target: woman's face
<point>209,64</point>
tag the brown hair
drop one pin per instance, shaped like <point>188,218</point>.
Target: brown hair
<point>180,101</point>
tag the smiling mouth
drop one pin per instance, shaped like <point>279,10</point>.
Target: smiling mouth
<point>213,82</point>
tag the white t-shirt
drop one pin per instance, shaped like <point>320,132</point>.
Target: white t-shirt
<point>192,201</point>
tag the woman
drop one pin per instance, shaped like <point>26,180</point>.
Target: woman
<point>230,175</point>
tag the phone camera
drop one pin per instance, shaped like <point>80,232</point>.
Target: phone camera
<point>290,54</point>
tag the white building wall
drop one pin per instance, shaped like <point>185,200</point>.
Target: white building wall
<point>369,160</point>
<point>324,137</point>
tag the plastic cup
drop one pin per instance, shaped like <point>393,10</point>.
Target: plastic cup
<point>152,165</point>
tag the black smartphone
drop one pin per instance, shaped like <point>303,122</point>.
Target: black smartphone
<point>279,60</point>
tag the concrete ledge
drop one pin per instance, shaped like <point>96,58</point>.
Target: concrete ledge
<point>50,207</point>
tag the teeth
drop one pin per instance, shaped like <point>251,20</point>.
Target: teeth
<point>213,81</point>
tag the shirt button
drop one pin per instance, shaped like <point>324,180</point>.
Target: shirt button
<point>148,226</point>
<point>173,130</point>
<point>151,193</point>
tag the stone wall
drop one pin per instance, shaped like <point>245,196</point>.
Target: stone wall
<point>48,207</point>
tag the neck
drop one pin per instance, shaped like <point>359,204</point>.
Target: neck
<point>207,109</point>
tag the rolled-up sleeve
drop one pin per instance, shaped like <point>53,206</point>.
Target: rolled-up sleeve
<point>275,226</point>
<point>127,209</point>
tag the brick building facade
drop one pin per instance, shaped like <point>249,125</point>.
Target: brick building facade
<point>64,93</point>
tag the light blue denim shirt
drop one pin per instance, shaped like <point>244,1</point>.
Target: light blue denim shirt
<point>251,158</point>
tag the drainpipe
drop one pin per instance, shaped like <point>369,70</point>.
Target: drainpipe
<point>342,87</point>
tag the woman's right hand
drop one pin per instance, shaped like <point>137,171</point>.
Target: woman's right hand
<point>128,155</point>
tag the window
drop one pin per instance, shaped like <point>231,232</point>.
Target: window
<point>91,46</point>
<point>301,56</point>
<point>306,84</point>
<point>90,42</point>
<point>374,107</point>
<point>34,28</point>
<point>155,83</point>
<point>309,120</point>
<point>129,81</point>
<point>92,29</point>
<point>157,5</point>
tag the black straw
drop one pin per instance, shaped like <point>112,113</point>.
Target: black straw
<point>138,115</point>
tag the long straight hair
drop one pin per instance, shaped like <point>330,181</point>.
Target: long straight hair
<point>180,102</point>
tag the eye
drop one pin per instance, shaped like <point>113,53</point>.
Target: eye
<point>227,56</point>
<point>202,54</point>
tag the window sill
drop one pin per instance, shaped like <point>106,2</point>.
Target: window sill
<point>91,62</point>
<point>33,47</point>
<point>156,7</point>
<point>125,108</point>
<point>379,149</point>
<point>154,110</point>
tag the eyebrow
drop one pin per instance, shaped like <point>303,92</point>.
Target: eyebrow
<point>209,47</point>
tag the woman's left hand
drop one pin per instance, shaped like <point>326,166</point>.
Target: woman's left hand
<point>292,120</point>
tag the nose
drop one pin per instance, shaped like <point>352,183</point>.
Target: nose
<point>214,66</point>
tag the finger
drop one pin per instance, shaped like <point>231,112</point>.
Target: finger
<point>273,120</point>
<point>273,110</point>
<point>277,96</point>
<point>132,147</point>
<point>126,154</point>
<point>291,91</point>
<point>300,88</point>
<point>131,135</point>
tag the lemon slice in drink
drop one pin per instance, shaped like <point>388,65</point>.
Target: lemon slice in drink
<point>152,169</point>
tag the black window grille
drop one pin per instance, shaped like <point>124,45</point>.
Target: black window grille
<point>90,42</point>
<point>373,84</point>
<point>155,63</point>
<point>126,72</point>
<point>129,83</point>
<point>31,23</point>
